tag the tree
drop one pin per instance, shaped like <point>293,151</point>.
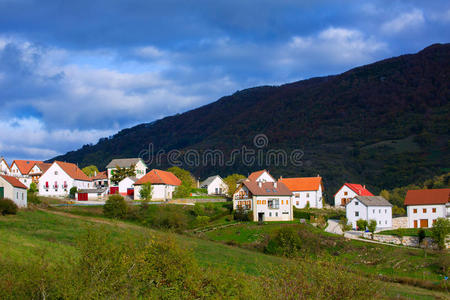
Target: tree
<point>146,191</point>
<point>121,173</point>
<point>440,230</point>
<point>361,224</point>
<point>33,188</point>
<point>90,170</point>
<point>115,207</point>
<point>398,211</point>
<point>181,191</point>
<point>231,182</point>
<point>385,194</point>
<point>184,175</point>
<point>73,190</point>
<point>372,226</point>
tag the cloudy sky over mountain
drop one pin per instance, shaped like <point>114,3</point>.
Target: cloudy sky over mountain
<point>74,71</point>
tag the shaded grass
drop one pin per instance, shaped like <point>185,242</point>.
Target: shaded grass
<point>405,232</point>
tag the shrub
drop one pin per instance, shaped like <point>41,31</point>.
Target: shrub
<point>115,207</point>
<point>440,230</point>
<point>8,207</point>
<point>169,217</point>
<point>300,214</point>
<point>182,191</point>
<point>286,242</point>
<point>202,221</point>
<point>242,215</point>
<point>198,210</point>
<point>372,226</point>
<point>398,211</point>
<point>421,234</point>
<point>344,224</point>
<point>146,191</point>
<point>33,188</point>
<point>361,224</point>
<point>72,192</point>
<point>33,198</point>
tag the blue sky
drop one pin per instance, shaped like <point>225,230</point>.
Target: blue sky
<point>74,71</point>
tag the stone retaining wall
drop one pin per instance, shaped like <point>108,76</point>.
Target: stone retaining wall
<point>410,241</point>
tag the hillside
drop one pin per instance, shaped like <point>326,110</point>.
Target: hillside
<point>385,125</point>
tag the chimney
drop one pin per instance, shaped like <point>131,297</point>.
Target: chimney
<point>259,183</point>
<point>281,177</point>
<point>364,186</point>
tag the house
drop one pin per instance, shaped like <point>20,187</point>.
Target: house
<point>369,208</point>
<point>61,177</point>
<point>349,191</point>
<point>12,188</point>
<point>214,185</point>
<point>163,183</point>
<point>305,191</point>
<point>138,163</point>
<point>269,200</point>
<point>126,186</point>
<point>4,167</point>
<point>37,170</point>
<point>91,194</point>
<point>423,207</point>
<point>100,179</point>
<point>21,170</point>
<point>263,176</point>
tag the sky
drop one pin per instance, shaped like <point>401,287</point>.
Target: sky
<point>72,72</point>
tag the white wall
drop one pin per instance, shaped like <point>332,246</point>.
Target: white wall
<point>300,198</point>
<point>217,183</point>
<point>26,180</point>
<point>4,168</point>
<point>125,184</point>
<point>428,215</point>
<point>236,197</point>
<point>55,174</point>
<point>15,171</point>
<point>160,192</point>
<point>265,177</point>
<point>381,214</point>
<point>283,213</point>
<point>18,195</point>
<point>141,170</point>
<point>344,192</point>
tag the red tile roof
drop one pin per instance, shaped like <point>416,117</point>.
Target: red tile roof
<point>73,171</point>
<point>42,166</point>
<point>156,176</point>
<point>14,181</point>
<point>302,183</point>
<point>267,188</point>
<point>253,176</point>
<point>358,189</point>
<point>100,175</point>
<point>424,197</point>
<point>25,165</point>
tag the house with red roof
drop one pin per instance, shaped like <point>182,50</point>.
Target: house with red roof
<point>306,191</point>
<point>349,191</point>
<point>163,182</point>
<point>60,177</point>
<point>21,169</point>
<point>12,188</point>
<point>269,200</point>
<point>37,170</point>
<point>424,207</point>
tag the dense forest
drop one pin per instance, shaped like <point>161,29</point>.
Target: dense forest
<point>384,125</point>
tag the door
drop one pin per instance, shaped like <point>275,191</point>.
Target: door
<point>415,223</point>
<point>343,201</point>
<point>260,217</point>
<point>423,223</point>
<point>2,192</point>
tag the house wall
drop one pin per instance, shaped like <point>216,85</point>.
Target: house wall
<point>26,180</point>
<point>283,213</point>
<point>15,171</point>
<point>217,183</point>
<point>18,195</point>
<point>342,194</point>
<point>161,192</point>
<point>246,197</point>
<point>125,184</point>
<point>300,198</point>
<point>429,215</point>
<point>141,170</point>
<point>353,208</point>
<point>265,177</point>
<point>56,174</point>
<point>381,214</point>
<point>4,169</point>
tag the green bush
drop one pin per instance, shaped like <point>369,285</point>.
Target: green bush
<point>33,198</point>
<point>8,207</point>
<point>421,234</point>
<point>301,214</point>
<point>115,207</point>
<point>169,217</point>
<point>242,215</point>
<point>286,242</point>
<point>372,226</point>
<point>182,191</point>
<point>440,230</point>
<point>202,221</point>
<point>73,190</point>
<point>361,224</point>
<point>344,224</point>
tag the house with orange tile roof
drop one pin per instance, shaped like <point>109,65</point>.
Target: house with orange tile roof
<point>12,188</point>
<point>306,191</point>
<point>100,179</point>
<point>21,169</point>
<point>269,200</point>
<point>37,170</point>
<point>424,207</point>
<point>60,177</point>
<point>349,191</point>
<point>164,184</point>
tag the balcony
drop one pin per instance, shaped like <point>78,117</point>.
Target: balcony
<point>242,197</point>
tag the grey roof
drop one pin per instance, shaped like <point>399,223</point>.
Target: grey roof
<point>373,201</point>
<point>102,190</point>
<point>123,162</point>
<point>208,180</point>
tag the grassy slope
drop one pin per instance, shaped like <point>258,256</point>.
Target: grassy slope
<point>35,233</point>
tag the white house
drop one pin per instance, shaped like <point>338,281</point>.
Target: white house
<point>37,170</point>
<point>349,191</point>
<point>305,190</point>
<point>369,208</point>
<point>126,186</point>
<point>214,185</point>
<point>100,180</point>
<point>61,177</point>
<point>139,166</point>
<point>12,188</point>
<point>21,169</point>
<point>423,207</point>
<point>163,183</point>
<point>263,176</point>
<point>269,201</point>
<point>4,167</point>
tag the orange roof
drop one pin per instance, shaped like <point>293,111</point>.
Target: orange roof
<point>44,166</point>
<point>25,166</point>
<point>156,176</point>
<point>423,197</point>
<point>302,183</point>
<point>100,175</point>
<point>73,171</point>
<point>14,181</point>
<point>357,188</point>
<point>254,176</point>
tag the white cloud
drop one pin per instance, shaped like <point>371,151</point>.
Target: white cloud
<point>405,21</point>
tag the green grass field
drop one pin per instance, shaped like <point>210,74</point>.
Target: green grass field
<point>37,233</point>
<point>406,232</point>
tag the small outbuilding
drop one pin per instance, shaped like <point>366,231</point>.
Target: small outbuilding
<point>91,194</point>
<point>12,188</point>
<point>214,185</point>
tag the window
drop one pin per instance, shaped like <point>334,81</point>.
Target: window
<point>56,172</point>
<point>424,210</point>
<point>276,214</point>
<point>307,195</point>
<point>379,211</point>
<point>379,222</point>
<point>297,203</point>
<point>385,211</point>
<point>297,195</point>
<point>273,203</point>
<point>356,202</point>
<point>374,211</point>
<point>287,202</point>
<point>282,202</point>
<point>270,214</point>
<point>17,195</point>
<point>415,210</point>
<point>345,193</point>
<point>22,196</point>
<point>385,222</point>
<point>434,210</point>
<point>356,213</point>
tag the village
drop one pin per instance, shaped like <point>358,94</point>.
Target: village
<point>260,196</point>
